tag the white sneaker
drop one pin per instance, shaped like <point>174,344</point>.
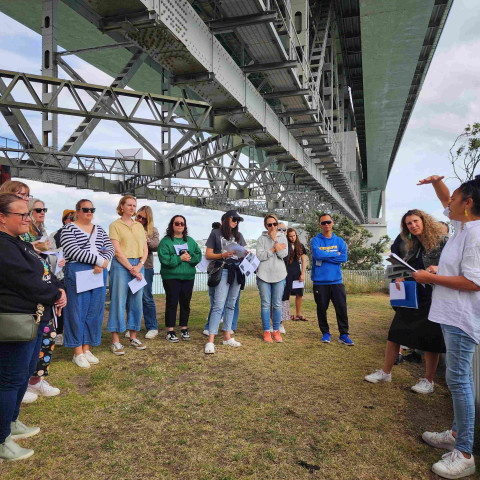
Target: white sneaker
<point>29,397</point>
<point>91,357</point>
<point>282,329</point>
<point>378,376</point>
<point>44,389</point>
<point>423,386</point>
<point>231,342</point>
<point>206,333</point>
<point>444,440</point>
<point>127,334</point>
<point>209,348</point>
<point>81,361</point>
<point>151,334</point>
<point>454,465</point>
<point>59,339</point>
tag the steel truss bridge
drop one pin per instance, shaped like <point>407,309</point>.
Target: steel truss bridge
<point>285,105</point>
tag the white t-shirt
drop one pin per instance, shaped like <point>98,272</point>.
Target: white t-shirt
<point>460,256</point>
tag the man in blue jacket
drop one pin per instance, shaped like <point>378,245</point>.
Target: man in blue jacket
<point>329,252</point>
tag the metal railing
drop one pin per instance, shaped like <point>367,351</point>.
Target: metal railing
<point>356,281</point>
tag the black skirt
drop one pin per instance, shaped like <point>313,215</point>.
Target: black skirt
<point>412,328</point>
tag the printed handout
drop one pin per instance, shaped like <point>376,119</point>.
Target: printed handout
<point>395,293</point>
<point>297,284</point>
<point>181,248</point>
<point>203,265</point>
<point>249,265</point>
<point>87,280</point>
<point>135,284</point>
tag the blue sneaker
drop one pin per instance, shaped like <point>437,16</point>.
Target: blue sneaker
<point>326,338</point>
<point>345,340</point>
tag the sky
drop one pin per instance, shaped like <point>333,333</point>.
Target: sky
<point>449,100</point>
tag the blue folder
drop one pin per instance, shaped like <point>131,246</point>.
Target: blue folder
<point>411,299</point>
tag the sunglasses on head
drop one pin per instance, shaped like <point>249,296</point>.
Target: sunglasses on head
<point>40,210</point>
<point>272,224</point>
<point>141,218</point>
<point>179,224</point>
<point>86,210</point>
<point>326,222</point>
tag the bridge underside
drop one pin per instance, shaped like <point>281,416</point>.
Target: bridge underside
<point>289,105</point>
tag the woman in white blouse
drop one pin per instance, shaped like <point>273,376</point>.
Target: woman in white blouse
<point>456,306</point>
<point>86,247</point>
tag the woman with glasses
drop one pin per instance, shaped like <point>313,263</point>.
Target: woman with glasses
<point>86,248</point>
<point>38,237</point>
<point>131,252</point>
<point>19,189</point>
<point>26,284</point>
<point>296,265</point>
<point>225,245</point>
<point>271,273</point>
<point>178,254</point>
<point>145,217</point>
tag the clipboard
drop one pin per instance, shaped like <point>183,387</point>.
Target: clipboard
<point>411,298</point>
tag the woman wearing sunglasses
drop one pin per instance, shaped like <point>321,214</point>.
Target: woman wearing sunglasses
<point>178,254</point>
<point>271,273</point>
<point>86,247</point>
<point>145,217</point>
<point>225,245</point>
<point>38,237</point>
<point>131,252</point>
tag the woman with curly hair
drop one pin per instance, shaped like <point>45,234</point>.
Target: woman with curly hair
<point>178,254</point>
<point>424,243</point>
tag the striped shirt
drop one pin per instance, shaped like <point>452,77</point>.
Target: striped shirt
<point>76,245</point>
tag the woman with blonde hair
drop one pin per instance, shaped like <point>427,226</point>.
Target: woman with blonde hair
<point>424,243</point>
<point>131,252</point>
<point>145,217</point>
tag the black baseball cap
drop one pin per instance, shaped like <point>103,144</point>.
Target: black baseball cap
<point>233,214</point>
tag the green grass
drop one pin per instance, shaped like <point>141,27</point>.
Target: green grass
<point>296,410</point>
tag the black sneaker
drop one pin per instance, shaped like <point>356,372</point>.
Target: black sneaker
<point>172,337</point>
<point>184,334</point>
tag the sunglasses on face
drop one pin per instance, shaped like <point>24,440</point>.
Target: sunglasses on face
<point>141,218</point>
<point>25,216</point>
<point>326,222</point>
<point>179,224</point>
<point>86,210</point>
<point>272,224</point>
<point>236,220</point>
<point>40,210</point>
<point>282,229</point>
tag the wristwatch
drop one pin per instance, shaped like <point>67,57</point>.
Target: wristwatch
<point>275,242</point>
<point>143,263</point>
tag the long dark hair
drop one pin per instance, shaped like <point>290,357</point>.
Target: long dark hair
<point>297,251</point>
<point>228,232</point>
<point>471,189</point>
<point>170,233</point>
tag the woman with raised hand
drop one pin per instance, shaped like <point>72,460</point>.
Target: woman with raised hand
<point>86,247</point>
<point>296,265</point>
<point>271,274</point>
<point>28,287</point>
<point>424,242</point>
<point>456,308</point>
<point>131,252</point>
<point>145,217</point>
<point>178,254</point>
<point>225,245</point>
<point>38,237</point>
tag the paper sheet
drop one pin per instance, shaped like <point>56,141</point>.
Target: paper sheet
<point>249,265</point>
<point>59,256</point>
<point>203,265</point>
<point>297,284</point>
<point>396,259</point>
<point>87,280</point>
<point>396,294</point>
<point>179,248</point>
<point>135,285</point>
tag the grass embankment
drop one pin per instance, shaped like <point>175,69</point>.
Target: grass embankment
<point>295,410</point>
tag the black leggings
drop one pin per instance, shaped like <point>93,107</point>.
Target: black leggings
<point>177,292</point>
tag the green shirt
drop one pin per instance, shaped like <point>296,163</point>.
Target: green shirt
<point>171,266</point>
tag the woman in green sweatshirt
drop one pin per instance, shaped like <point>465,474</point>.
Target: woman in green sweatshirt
<point>178,254</point>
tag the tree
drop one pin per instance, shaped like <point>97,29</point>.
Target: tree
<point>465,153</point>
<point>361,256</point>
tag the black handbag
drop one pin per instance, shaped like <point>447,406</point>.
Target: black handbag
<point>20,327</point>
<point>214,271</point>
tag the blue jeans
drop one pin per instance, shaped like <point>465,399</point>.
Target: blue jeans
<point>83,315</point>
<point>149,308</point>
<point>271,296</point>
<point>459,376</point>
<point>121,298</point>
<point>211,294</point>
<point>223,304</point>
<point>17,364</point>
